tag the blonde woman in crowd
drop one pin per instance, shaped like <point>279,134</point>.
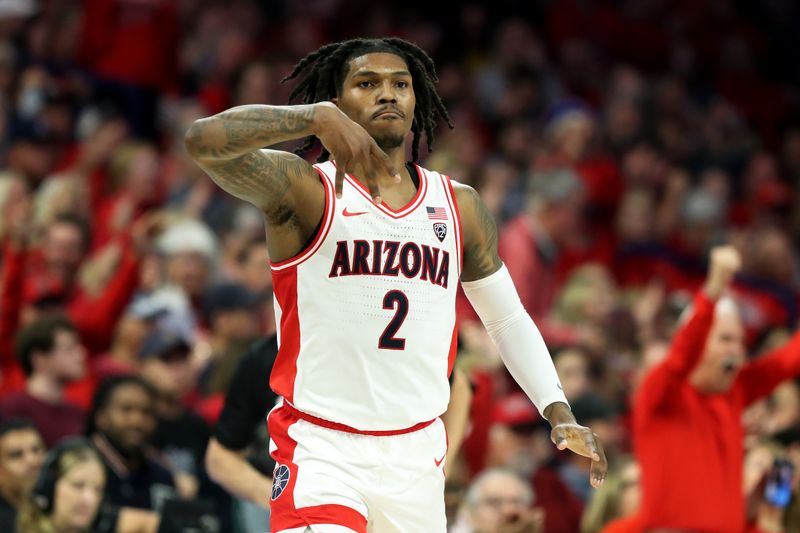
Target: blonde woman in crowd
<point>68,492</point>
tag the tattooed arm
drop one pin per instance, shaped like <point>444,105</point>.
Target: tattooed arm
<point>480,235</point>
<point>228,147</point>
<point>284,186</point>
<point>488,286</point>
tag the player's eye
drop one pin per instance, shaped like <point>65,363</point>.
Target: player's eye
<point>402,84</point>
<point>365,84</point>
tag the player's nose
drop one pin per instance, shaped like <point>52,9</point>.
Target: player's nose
<point>386,94</point>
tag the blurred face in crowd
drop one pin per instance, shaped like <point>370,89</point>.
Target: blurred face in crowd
<point>236,324</point>
<point>63,249</point>
<point>188,270</point>
<point>724,351</point>
<point>564,220</point>
<point>499,500</point>
<point>630,494</point>
<point>378,94</point>
<point>521,448</point>
<point>130,333</point>
<point>635,217</point>
<point>573,371</point>
<point>66,362</point>
<point>78,495</point>
<point>21,455</point>
<point>172,376</point>
<point>142,176</point>
<point>128,420</point>
<point>573,134</point>
<point>256,274</point>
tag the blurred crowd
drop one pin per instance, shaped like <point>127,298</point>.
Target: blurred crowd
<point>616,142</point>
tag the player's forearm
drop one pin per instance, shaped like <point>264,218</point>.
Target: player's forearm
<point>236,475</point>
<point>519,341</point>
<point>244,129</point>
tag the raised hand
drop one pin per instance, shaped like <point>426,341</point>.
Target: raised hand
<point>725,262</point>
<point>350,146</point>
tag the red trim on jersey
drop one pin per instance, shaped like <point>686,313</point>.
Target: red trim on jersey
<point>451,199</point>
<point>385,209</point>
<point>283,511</point>
<point>319,238</point>
<point>284,371</point>
<point>347,429</point>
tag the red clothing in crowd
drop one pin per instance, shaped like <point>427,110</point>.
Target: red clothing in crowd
<point>531,261</point>
<point>623,525</point>
<point>95,317</point>
<point>689,443</point>
<point>54,421</point>
<point>132,42</point>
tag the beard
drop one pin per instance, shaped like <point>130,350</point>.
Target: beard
<point>389,141</point>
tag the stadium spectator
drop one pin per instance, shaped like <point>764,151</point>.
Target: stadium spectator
<point>121,426</point>
<point>68,491</point>
<point>180,435</point>
<point>21,453</point>
<point>231,311</point>
<point>498,500</point>
<point>531,243</point>
<point>688,411</point>
<point>51,355</point>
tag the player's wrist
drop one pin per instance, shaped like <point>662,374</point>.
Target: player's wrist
<point>559,413</point>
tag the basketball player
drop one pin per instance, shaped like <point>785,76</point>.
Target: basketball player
<point>367,252</point>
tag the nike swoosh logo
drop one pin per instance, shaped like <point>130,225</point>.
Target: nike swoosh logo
<point>347,213</point>
<point>440,460</point>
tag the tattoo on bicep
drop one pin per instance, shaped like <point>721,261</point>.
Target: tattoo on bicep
<point>481,253</point>
<point>259,178</point>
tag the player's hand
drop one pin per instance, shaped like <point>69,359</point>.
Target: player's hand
<point>582,441</point>
<point>350,146</point>
<point>725,262</point>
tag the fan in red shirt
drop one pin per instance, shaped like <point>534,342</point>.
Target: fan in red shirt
<point>687,413</point>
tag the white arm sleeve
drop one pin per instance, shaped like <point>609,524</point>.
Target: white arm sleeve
<point>521,346</point>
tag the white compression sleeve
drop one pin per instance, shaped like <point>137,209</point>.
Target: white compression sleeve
<point>521,346</point>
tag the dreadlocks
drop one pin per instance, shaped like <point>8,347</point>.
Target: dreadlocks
<point>328,66</point>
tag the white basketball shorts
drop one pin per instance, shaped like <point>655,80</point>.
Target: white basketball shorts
<point>331,479</point>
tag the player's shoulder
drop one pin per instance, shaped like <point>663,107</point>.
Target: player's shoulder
<point>464,193</point>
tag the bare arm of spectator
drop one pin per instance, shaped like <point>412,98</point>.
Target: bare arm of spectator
<point>95,317</point>
<point>231,469</point>
<point>690,339</point>
<point>137,521</point>
<point>457,416</point>
<point>761,376</point>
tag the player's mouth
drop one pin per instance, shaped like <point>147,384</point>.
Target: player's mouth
<point>390,113</point>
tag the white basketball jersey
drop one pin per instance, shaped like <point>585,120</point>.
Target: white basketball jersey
<point>366,312</point>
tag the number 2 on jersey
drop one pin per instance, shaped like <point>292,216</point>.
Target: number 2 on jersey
<point>399,302</point>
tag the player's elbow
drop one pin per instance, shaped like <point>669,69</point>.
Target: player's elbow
<point>195,138</point>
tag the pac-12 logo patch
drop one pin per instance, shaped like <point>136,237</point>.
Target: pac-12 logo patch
<point>440,229</point>
<point>279,480</point>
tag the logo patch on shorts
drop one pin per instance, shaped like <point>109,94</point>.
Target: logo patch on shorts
<point>440,229</point>
<point>279,480</point>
